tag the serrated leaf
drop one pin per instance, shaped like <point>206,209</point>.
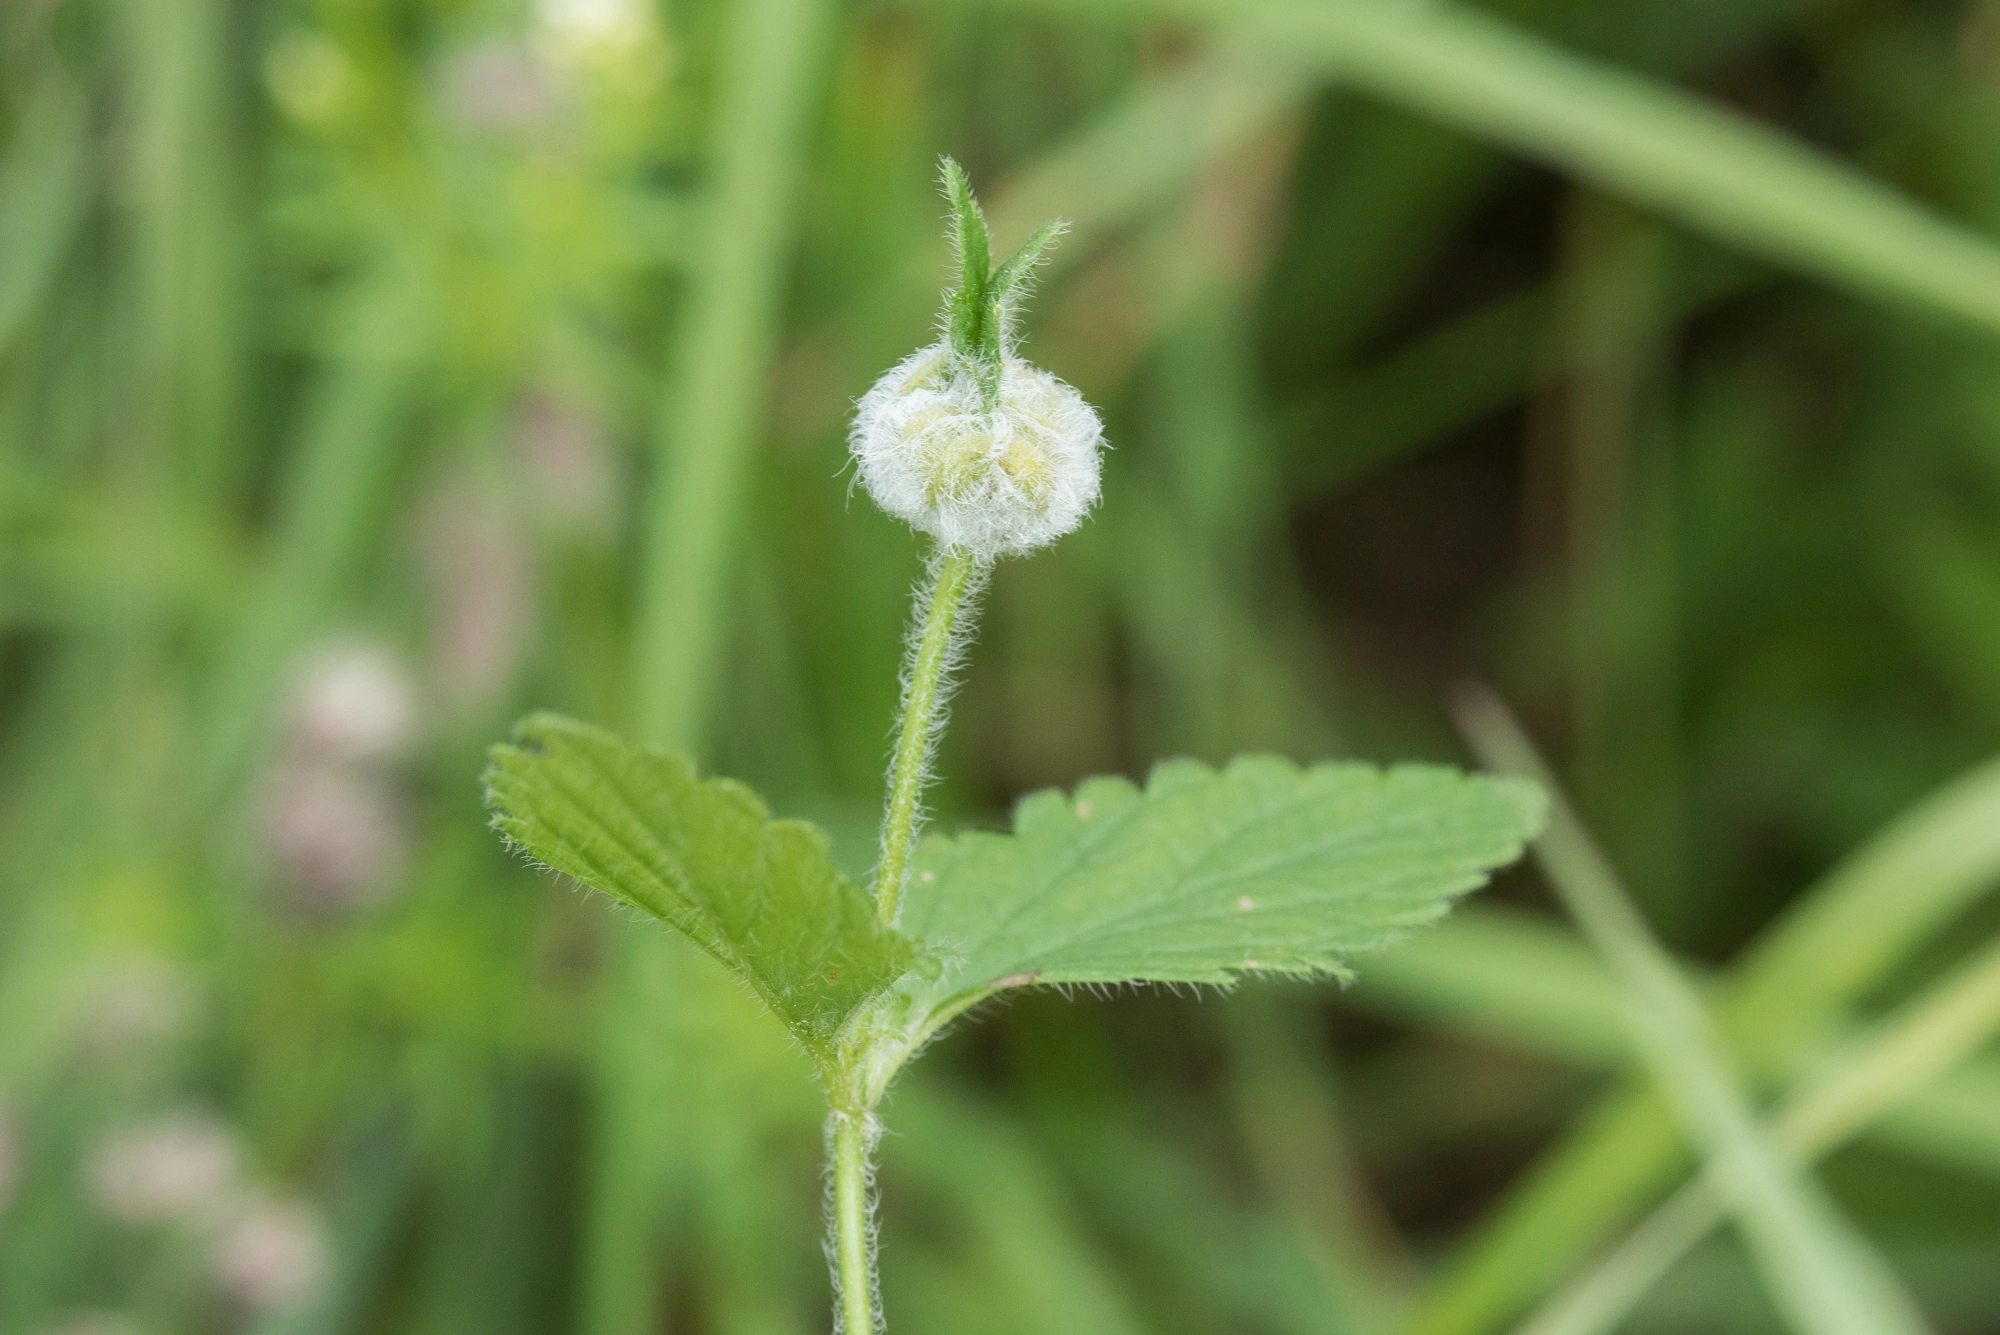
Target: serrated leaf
<point>1204,876</point>
<point>704,856</point>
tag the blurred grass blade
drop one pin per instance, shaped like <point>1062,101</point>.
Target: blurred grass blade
<point>1847,933</point>
<point>1866,916</point>
<point>712,414</point>
<point>1899,1056</point>
<point>708,423</point>
<point>1955,1123</point>
<point>1394,405</point>
<point>1819,1269</point>
<point>43,191</point>
<point>186,281</point>
<point>1238,1267</point>
<point>331,504</point>
<point>1506,976</point>
<point>1716,171</point>
<point>999,1195</point>
<point>1287,1117</point>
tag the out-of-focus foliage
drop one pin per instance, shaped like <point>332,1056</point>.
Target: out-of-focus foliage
<point>373,371</point>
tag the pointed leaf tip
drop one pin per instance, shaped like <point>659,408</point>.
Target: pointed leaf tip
<point>1011,279</point>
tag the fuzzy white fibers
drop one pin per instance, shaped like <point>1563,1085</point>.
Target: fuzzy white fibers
<point>993,483</point>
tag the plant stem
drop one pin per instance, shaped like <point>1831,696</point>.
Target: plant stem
<point>942,614</point>
<point>852,1262</point>
<point>955,576</point>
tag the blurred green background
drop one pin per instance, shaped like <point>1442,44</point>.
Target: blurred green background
<point>372,371</point>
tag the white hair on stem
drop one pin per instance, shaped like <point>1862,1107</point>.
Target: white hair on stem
<point>871,1135</point>
<point>958,647</point>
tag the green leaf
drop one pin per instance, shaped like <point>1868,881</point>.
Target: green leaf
<point>702,855</point>
<point>1204,876</point>
<point>1012,280</point>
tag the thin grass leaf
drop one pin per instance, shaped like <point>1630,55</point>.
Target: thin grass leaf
<point>723,353</point>
<point>1853,928</point>
<point>1718,172</point>
<point>1896,1058</point>
<point>1822,1273</point>
<point>996,1188</point>
<point>43,193</point>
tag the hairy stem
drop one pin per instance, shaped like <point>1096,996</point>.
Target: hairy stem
<point>852,1246</point>
<point>955,578</point>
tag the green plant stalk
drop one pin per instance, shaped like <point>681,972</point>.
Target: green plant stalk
<point>852,1262</point>
<point>955,575</point>
<point>852,1083</point>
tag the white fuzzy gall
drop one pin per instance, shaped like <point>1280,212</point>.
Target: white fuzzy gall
<point>995,483</point>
